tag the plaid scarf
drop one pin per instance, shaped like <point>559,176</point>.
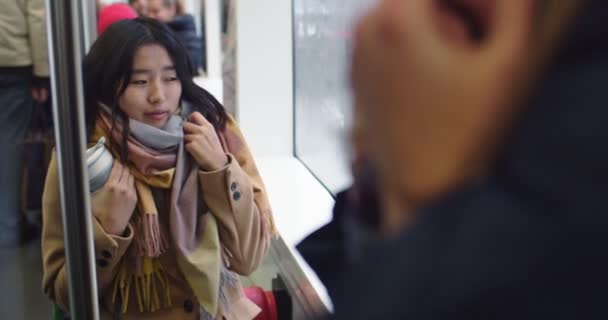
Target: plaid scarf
<point>156,158</point>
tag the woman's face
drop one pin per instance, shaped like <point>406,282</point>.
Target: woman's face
<point>153,93</point>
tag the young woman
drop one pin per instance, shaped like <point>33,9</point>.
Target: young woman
<point>184,207</point>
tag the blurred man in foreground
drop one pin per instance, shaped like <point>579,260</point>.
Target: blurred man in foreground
<point>494,205</point>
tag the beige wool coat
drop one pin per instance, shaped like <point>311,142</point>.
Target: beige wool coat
<point>236,190</point>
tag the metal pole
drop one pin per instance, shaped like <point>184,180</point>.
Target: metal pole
<point>65,25</point>
<point>88,12</point>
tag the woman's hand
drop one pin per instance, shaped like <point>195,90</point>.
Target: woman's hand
<point>114,204</point>
<point>202,142</point>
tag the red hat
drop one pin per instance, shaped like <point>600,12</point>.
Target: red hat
<point>114,13</point>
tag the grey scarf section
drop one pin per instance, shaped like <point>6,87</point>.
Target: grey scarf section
<point>100,161</point>
<point>169,136</point>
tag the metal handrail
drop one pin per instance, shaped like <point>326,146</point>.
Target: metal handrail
<point>301,290</point>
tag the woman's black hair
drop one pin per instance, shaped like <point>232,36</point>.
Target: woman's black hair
<point>108,66</point>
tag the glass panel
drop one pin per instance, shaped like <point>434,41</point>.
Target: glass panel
<point>322,30</point>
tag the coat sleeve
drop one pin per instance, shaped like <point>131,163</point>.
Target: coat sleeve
<point>236,196</point>
<point>36,20</point>
<point>109,249</point>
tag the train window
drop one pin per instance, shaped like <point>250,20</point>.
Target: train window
<point>322,31</point>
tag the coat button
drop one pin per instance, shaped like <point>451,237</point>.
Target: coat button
<point>188,306</point>
<point>106,254</point>
<point>233,186</point>
<point>236,196</point>
<point>102,263</point>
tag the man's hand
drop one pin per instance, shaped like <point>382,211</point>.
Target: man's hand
<point>40,95</point>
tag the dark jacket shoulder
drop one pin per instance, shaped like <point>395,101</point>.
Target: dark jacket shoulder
<point>185,28</point>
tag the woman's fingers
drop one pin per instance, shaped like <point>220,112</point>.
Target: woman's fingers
<point>192,128</point>
<point>193,132</point>
<point>130,182</point>
<point>188,146</point>
<point>189,138</point>
<point>193,149</point>
<point>124,175</point>
<point>116,171</point>
<point>199,119</point>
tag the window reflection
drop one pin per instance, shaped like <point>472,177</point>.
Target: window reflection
<point>322,33</point>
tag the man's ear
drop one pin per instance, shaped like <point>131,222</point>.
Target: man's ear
<point>473,14</point>
<point>509,28</point>
<point>173,8</point>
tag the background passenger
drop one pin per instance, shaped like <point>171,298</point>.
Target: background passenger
<point>113,13</point>
<point>24,85</point>
<point>140,6</point>
<point>171,12</point>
